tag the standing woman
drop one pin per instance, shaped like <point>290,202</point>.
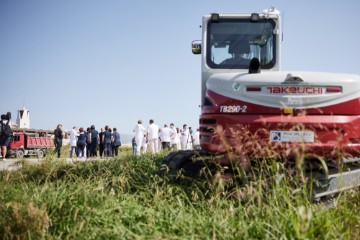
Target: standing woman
<point>73,145</point>
<point>81,143</point>
<point>58,139</point>
<point>116,142</point>
<point>107,142</point>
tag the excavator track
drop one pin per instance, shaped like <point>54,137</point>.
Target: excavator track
<point>183,161</point>
<point>336,180</point>
<point>193,163</point>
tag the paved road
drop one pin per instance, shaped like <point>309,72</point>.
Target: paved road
<point>14,164</point>
<point>10,164</point>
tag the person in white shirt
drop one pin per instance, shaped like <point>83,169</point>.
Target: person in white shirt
<point>196,137</point>
<point>73,141</point>
<point>144,144</point>
<point>174,138</point>
<point>165,137</point>
<point>191,140</point>
<point>178,132</point>
<point>139,131</point>
<point>184,137</point>
<point>159,141</point>
<point>186,143</point>
<point>153,136</point>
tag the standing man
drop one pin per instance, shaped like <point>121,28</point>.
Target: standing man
<point>94,141</point>
<point>58,139</point>
<point>5,134</point>
<point>144,144</point>
<point>173,137</point>
<point>178,132</point>
<point>88,142</point>
<point>196,137</point>
<point>107,139</point>
<point>133,143</point>
<point>165,136</point>
<point>73,142</point>
<point>139,131</point>
<point>185,138</point>
<point>191,142</point>
<point>153,136</point>
<point>101,142</point>
<point>117,142</point>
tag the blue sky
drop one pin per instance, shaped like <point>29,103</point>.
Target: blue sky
<point>83,62</point>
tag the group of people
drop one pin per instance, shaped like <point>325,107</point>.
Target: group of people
<point>166,138</point>
<point>84,143</point>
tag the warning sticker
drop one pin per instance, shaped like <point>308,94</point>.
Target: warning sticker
<point>292,136</point>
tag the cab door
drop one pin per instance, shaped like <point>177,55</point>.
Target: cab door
<point>17,141</point>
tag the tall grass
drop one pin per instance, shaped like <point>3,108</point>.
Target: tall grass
<point>124,198</point>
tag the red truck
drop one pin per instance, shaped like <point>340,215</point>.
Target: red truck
<point>22,144</point>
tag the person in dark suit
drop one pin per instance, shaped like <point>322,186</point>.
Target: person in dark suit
<point>101,142</point>
<point>58,139</point>
<point>116,141</point>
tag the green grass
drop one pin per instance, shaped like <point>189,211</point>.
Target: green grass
<point>126,199</point>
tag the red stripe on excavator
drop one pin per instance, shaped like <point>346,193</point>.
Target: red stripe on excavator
<point>333,89</point>
<point>351,107</point>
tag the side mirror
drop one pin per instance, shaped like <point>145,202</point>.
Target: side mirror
<point>196,47</point>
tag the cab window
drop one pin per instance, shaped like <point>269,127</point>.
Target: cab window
<point>233,43</point>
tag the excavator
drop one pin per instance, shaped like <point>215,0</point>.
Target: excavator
<point>251,109</point>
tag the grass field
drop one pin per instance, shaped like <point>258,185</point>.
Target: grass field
<point>124,198</point>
